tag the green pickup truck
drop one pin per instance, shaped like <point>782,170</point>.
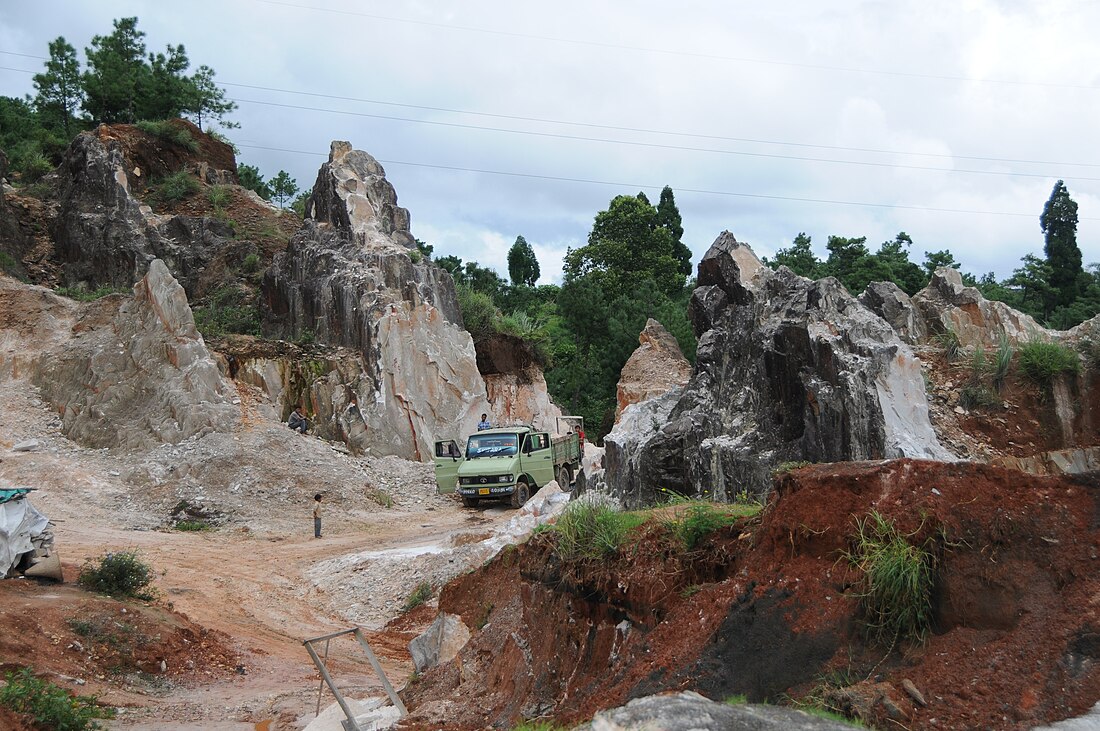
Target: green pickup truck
<point>511,462</point>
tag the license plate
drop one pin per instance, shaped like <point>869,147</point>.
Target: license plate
<point>483,491</point>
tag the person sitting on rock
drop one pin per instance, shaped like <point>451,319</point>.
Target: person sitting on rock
<point>484,423</point>
<point>297,420</point>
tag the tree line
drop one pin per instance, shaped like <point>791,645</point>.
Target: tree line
<point>120,82</point>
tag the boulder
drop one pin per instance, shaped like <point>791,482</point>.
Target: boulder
<point>688,711</point>
<point>347,279</point>
<point>440,643</point>
<point>787,369</point>
<point>946,303</point>
<point>105,236</point>
<point>135,371</point>
<point>891,303</point>
<point>656,366</point>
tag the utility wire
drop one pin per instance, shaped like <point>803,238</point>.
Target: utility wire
<point>678,189</point>
<point>686,54</point>
<point>623,128</point>
<point>661,146</point>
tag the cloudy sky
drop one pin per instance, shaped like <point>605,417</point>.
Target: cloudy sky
<point>948,120</point>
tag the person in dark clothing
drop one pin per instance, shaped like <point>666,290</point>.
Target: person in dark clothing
<point>317,515</point>
<point>297,420</point>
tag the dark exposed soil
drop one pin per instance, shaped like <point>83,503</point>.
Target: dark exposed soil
<point>768,608</point>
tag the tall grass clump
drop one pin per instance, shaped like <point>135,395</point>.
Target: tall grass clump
<point>421,594</point>
<point>49,705</point>
<point>121,574</point>
<point>1042,362</point>
<point>167,131</point>
<point>896,586</point>
<point>175,187</point>
<point>949,341</point>
<point>1002,361</point>
<point>593,531</point>
<point>701,519</point>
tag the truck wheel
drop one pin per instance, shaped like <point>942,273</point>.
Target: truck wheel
<point>564,477</point>
<point>521,495</point>
<point>469,502</point>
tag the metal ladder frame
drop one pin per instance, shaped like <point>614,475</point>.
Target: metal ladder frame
<point>350,724</point>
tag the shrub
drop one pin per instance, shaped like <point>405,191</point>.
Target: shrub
<point>421,594</point>
<point>175,187</point>
<point>1042,362</point>
<point>896,587</point>
<point>414,255</point>
<point>251,263</point>
<point>699,521</point>
<point>593,531</point>
<point>169,132</point>
<point>219,196</point>
<point>118,574</point>
<point>227,311</point>
<point>50,705</point>
<point>193,525</point>
<point>479,314</point>
<point>85,295</point>
<point>977,396</point>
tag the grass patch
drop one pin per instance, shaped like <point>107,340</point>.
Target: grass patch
<point>89,295</point>
<point>421,594</point>
<point>251,264</point>
<point>49,705</point>
<point>175,187</point>
<point>736,700</point>
<point>977,396</point>
<point>193,525</point>
<point>1042,362</point>
<point>119,574</point>
<point>788,466</point>
<point>227,311</point>
<point>168,132</point>
<point>592,531</point>
<point>896,586</point>
<point>381,497</point>
<point>949,341</point>
<point>692,526</point>
<point>1002,361</point>
<point>539,726</point>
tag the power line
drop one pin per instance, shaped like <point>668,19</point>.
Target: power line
<point>647,186</point>
<point>624,128</point>
<point>687,54</point>
<point>662,146</point>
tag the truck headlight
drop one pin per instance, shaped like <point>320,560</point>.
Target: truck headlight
<point>505,478</point>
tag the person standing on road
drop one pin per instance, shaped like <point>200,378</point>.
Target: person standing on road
<point>317,515</point>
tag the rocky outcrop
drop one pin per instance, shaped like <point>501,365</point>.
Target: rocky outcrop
<point>135,372</point>
<point>656,366</point>
<point>891,303</point>
<point>347,279</point>
<point>688,711</point>
<point>12,241</point>
<point>787,369</point>
<point>947,304</point>
<point>514,382</point>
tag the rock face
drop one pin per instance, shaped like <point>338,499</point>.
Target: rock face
<point>105,236</point>
<point>654,368</point>
<point>348,280</point>
<point>514,383</point>
<point>12,240</point>
<point>891,303</point>
<point>786,370</point>
<point>947,303</point>
<point>136,373</point>
<point>440,643</point>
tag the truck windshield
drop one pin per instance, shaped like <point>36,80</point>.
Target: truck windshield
<point>491,445</point>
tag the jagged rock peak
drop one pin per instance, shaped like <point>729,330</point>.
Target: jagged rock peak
<point>352,193</point>
<point>947,303</point>
<point>652,369</point>
<point>891,303</point>
<point>727,252</point>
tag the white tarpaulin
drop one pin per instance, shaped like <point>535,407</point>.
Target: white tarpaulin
<point>20,525</point>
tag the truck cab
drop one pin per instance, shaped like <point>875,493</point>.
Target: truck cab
<point>506,463</point>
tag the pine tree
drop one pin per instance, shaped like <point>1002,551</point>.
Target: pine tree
<point>165,90</point>
<point>59,91</point>
<point>668,215</point>
<point>283,187</point>
<point>116,72</point>
<point>523,265</point>
<point>207,100</point>
<point>1059,225</point>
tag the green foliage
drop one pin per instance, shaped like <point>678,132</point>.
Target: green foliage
<point>788,466</point>
<point>799,258</point>
<point>116,73</point>
<point>736,700</point>
<point>523,265</point>
<point>668,216</point>
<point>49,705</point>
<point>219,197</point>
<point>169,132</point>
<point>1002,361</point>
<point>479,314</point>
<point>897,579</point>
<point>227,311</point>
<point>205,100</point>
<point>249,177</point>
<point>83,295</point>
<point>59,93</point>
<point>421,594</point>
<point>591,532</point>
<point>251,264</point>
<point>1059,226</point>
<point>298,205</point>
<point>539,726</point>
<point>120,574</point>
<point>933,260</point>
<point>193,526</point>
<point>425,249</point>
<point>949,342</point>
<point>976,396</point>
<point>175,187</point>
<point>283,188</point>
<point>1042,362</point>
<point>699,520</point>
